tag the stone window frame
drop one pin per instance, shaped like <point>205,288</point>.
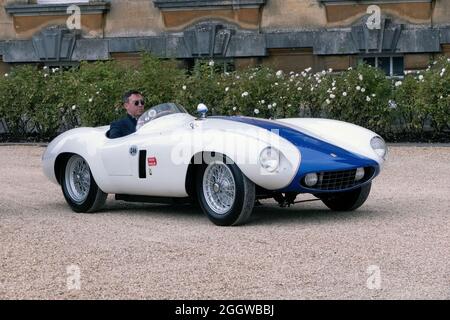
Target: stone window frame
<point>201,4</point>
<point>32,8</point>
<point>364,2</point>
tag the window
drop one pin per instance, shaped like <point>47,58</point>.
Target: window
<point>221,65</point>
<point>393,66</point>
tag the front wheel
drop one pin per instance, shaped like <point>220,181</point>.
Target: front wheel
<point>225,194</point>
<point>79,187</point>
<point>349,200</point>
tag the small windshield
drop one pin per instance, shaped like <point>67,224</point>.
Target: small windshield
<point>158,111</point>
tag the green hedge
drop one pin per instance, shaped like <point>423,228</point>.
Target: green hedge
<point>39,104</point>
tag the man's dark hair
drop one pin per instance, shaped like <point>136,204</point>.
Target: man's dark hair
<point>128,94</point>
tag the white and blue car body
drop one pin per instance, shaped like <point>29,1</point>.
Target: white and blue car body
<point>225,164</point>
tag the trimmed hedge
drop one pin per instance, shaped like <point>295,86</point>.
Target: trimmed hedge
<point>38,104</point>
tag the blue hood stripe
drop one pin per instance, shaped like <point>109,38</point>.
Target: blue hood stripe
<point>315,153</point>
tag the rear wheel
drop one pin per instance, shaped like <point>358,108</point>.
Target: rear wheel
<point>349,200</point>
<point>79,187</point>
<point>225,194</point>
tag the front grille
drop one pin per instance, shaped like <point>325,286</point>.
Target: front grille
<point>339,180</point>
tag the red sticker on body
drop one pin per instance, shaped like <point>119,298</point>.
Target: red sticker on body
<point>152,162</point>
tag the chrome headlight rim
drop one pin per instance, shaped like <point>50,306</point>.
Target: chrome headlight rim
<point>269,163</point>
<point>379,147</point>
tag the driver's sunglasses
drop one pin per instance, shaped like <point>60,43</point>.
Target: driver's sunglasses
<point>141,102</point>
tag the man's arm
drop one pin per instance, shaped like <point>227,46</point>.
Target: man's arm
<point>115,130</point>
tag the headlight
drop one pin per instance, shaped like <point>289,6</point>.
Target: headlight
<point>311,179</point>
<point>269,159</point>
<point>379,146</point>
<point>360,173</point>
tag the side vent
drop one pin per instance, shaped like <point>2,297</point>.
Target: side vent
<point>142,168</point>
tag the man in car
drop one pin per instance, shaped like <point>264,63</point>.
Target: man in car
<point>133,102</point>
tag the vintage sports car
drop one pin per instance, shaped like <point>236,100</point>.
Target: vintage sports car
<point>223,164</point>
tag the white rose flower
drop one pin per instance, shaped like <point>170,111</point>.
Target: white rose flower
<point>245,94</point>
<point>227,89</point>
<point>274,104</point>
<point>234,108</point>
<point>368,99</point>
<point>91,99</point>
<point>211,63</point>
<point>74,107</point>
<point>358,88</point>
<point>344,94</point>
<point>269,106</point>
<point>363,89</point>
<point>6,75</point>
<point>332,96</point>
<point>279,73</point>
<point>360,77</point>
<point>421,77</point>
<point>398,83</point>
<point>328,101</point>
<point>256,111</point>
<point>299,88</point>
<point>263,101</point>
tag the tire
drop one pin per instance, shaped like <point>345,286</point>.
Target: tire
<point>349,200</point>
<point>79,187</point>
<point>230,207</point>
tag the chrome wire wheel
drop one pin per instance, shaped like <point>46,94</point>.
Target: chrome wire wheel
<point>219,187</point>
<point>77,179</point>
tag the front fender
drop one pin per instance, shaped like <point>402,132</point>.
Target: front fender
<point>345,135</point>
<point>244,149</point>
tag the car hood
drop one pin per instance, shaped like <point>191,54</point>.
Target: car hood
<point>316,155</point>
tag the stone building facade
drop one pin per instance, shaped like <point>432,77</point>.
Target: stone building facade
<point>286,34</point>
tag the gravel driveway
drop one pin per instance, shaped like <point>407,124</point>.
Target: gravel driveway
<point>397,246</point>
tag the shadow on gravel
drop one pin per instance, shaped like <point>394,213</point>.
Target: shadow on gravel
<point>269,214</point>
<point>119,207</point>
<point>262,215</point>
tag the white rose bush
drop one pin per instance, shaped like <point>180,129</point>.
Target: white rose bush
<point>39,103</point>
